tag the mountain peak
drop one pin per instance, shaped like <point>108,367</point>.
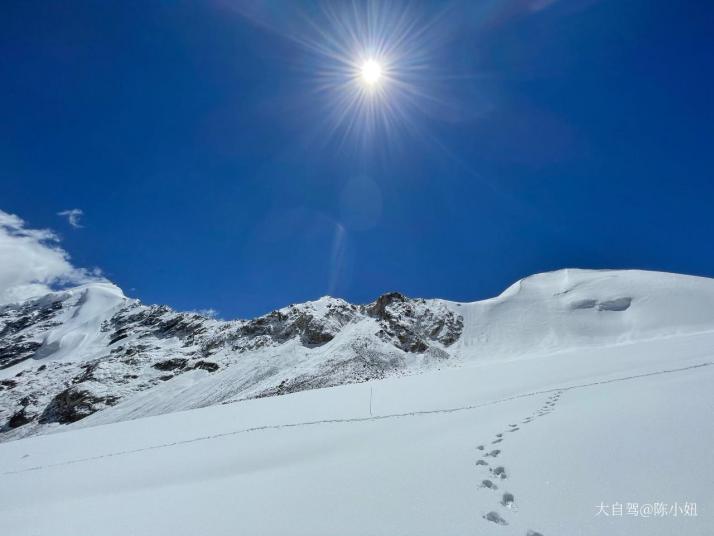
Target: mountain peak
<point>89,353</point>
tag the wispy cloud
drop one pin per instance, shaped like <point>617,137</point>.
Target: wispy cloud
<point>73,215</point>
<point>33,263</point>
<point>210,313</point>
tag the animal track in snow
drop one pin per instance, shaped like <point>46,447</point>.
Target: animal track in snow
<point>507,499</point>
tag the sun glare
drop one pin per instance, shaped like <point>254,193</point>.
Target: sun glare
<point>371,73</point>
<point>372,65</point>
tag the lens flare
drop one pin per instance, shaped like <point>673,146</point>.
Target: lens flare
<point>373,69</point>
<point>370,67</point>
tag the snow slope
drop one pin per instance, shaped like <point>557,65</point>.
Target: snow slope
<point>579,308</point>
<point>627,423</point>
<point>78,333</point>
<point>91,356</point>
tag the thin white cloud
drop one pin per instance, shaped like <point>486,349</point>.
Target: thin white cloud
<point>73,215</point>
<point>32,263</point>
<point>210,313</point>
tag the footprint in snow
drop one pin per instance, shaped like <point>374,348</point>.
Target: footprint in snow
<point>500,472</point>
<point>494,517</point>
<point>507,500</point>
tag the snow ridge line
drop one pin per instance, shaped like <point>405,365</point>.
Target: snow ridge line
<point>354,419</point>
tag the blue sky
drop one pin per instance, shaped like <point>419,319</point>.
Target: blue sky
<point>212,171</point>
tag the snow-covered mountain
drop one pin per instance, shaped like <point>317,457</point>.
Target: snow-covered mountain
<point>90,354</point>
<point>576,402</point>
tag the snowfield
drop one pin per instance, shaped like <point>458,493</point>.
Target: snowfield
<point>576,403</point>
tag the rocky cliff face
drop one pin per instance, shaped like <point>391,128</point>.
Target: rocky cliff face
<point>72,354</point>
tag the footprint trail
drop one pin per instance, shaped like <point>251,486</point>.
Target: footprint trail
<point>505,502</point>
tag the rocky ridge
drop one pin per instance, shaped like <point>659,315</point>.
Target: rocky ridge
<point>127,347</point>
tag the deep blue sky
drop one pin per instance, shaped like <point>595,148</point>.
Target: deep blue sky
<point>578,135</point>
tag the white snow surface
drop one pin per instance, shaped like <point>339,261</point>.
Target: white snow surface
<point>624,424</point>
<point>579,308</point>
<point>596,387</point>
<point>78,336</point>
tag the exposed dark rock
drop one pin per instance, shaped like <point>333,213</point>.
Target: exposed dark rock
<point>142,339</point>
<point>33,314</point>
<point>157,321</point>
<point>19,418</point>
<point>411,343</point>
<point>206,365</point>
<point>17,352</point>
<point>175,363</point>
<point>8,384</point>
<point>312,332</point>
<point>15,320</point>
<point>280,326</point>
<point>75,403</point>
<point>411,324</point>
<point>262,325</point>
<point>118,335</point>
<point>88,372</point>
<point>379,308</point>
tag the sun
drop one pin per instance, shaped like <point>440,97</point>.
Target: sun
<point>372,67</point>
<point>371,73</point>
